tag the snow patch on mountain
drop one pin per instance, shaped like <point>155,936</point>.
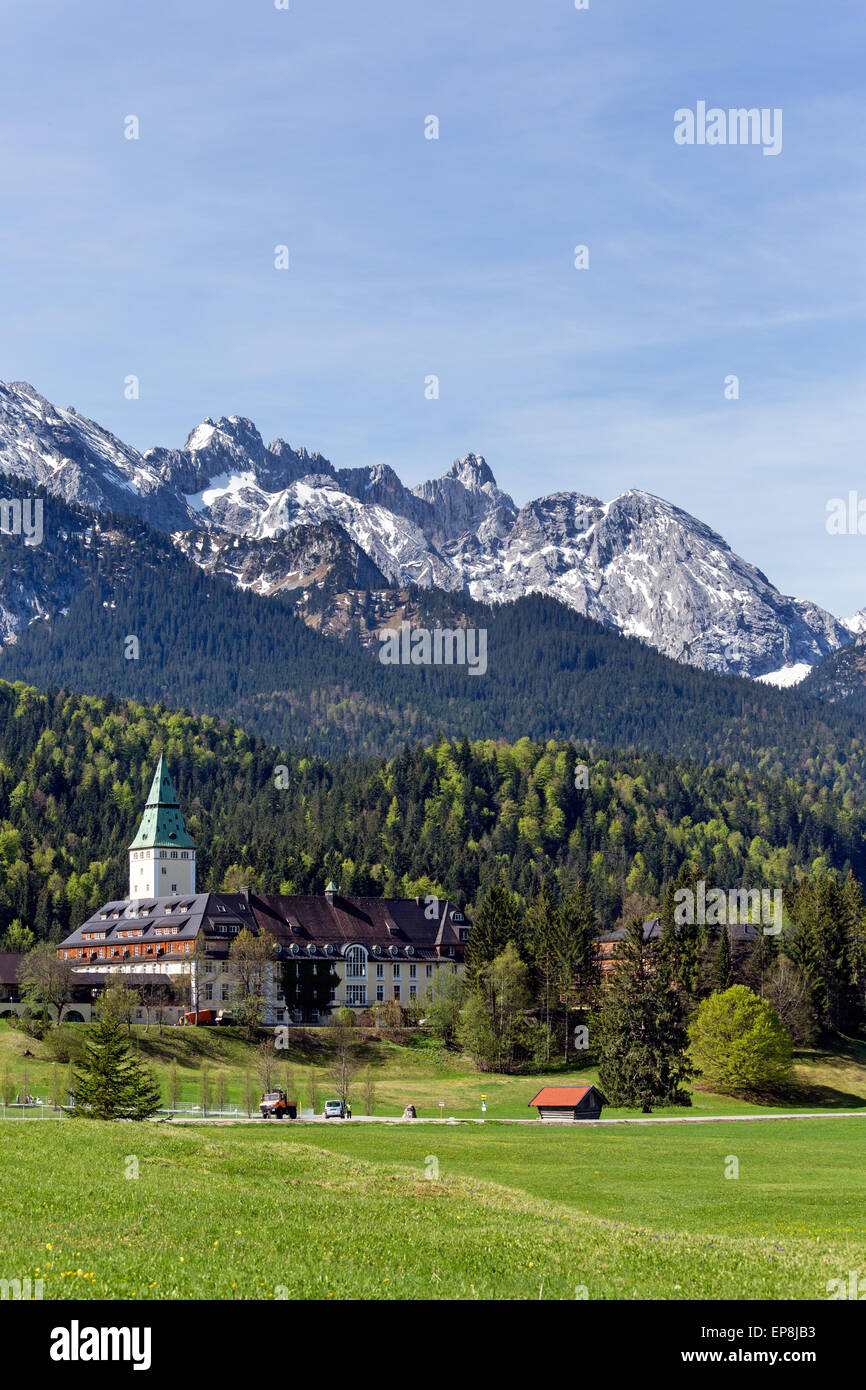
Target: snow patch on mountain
<point>787,676</point>
<point>857,622</point>
<point>636,563</point>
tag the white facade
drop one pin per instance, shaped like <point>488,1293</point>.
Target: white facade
<point>160,873</point>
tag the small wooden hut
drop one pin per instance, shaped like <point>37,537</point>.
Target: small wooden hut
<point>568,1103</point>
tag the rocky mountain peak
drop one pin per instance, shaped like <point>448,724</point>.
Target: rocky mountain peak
<point>637,563</point>
<point>472,471</point>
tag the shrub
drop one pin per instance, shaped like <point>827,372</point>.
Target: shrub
<point>740,1044</point>
<point>64,1043</point>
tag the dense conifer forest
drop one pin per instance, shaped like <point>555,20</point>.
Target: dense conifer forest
<point>452,817</point>
<point>214,649</point>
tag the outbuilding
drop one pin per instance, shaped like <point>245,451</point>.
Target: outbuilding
<point>567,1103</point>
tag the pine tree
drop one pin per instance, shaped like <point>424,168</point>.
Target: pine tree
<point>110,1084</point>
<point>642,1035</point>
<point>681,940</point>
<point>823,944</point>
<point>575,952</point>
<point>103,1079</point>
<point>498,922</point>
<point>724,974</point>
<point>540,932</point>
<point>143,1097</point>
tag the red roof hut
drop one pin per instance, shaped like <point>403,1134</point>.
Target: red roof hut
<point>567,1103</point>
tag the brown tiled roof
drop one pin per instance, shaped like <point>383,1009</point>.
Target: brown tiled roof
<point>364,921</point>
<point>301,922</point>
<point>188,914</point>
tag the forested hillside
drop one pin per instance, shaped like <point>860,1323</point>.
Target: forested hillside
<point>450,817</point>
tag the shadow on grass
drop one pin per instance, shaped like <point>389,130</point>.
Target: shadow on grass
<point>796,1096</point>
<point>822,1097</point>
<point>836,1052</point>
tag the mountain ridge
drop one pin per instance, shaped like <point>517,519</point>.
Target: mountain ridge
<point>637,563</point>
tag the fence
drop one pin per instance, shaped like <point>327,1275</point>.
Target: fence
<point>237,1112</point>
<point>42,1110</point>
<point>30,1110</point>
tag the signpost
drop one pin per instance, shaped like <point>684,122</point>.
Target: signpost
<point>484,1105</point>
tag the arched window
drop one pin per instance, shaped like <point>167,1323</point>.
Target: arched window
<point>356,963</point>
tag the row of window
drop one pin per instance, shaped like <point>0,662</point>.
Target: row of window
<point>357,994</point>
<point>354,971</point>
<point>104,952</point>
<point>163,854</point>
<point>209,993</point>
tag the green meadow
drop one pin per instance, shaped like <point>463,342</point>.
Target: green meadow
<point>411,1071</point>
<point>295,1211</point>
<point>744,1210</point>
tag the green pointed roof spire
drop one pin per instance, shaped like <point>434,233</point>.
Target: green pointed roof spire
<point>162,823</point>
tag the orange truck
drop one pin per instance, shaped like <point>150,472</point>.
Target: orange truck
<point>208,1017</point>
<point>275,1105</point>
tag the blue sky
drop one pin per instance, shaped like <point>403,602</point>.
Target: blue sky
<point>453,257</point>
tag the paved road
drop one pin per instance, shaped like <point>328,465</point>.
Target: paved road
<point>434,1120</point>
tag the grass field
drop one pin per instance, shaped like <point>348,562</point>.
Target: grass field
<point>465,1211</point>
<point>257,1212</point>
<point>416,1072</point>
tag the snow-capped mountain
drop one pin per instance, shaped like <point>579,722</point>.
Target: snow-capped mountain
<point>237,506</point>
<point>76,459</point>
<point>299,558</point>
<point>651,570</point>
